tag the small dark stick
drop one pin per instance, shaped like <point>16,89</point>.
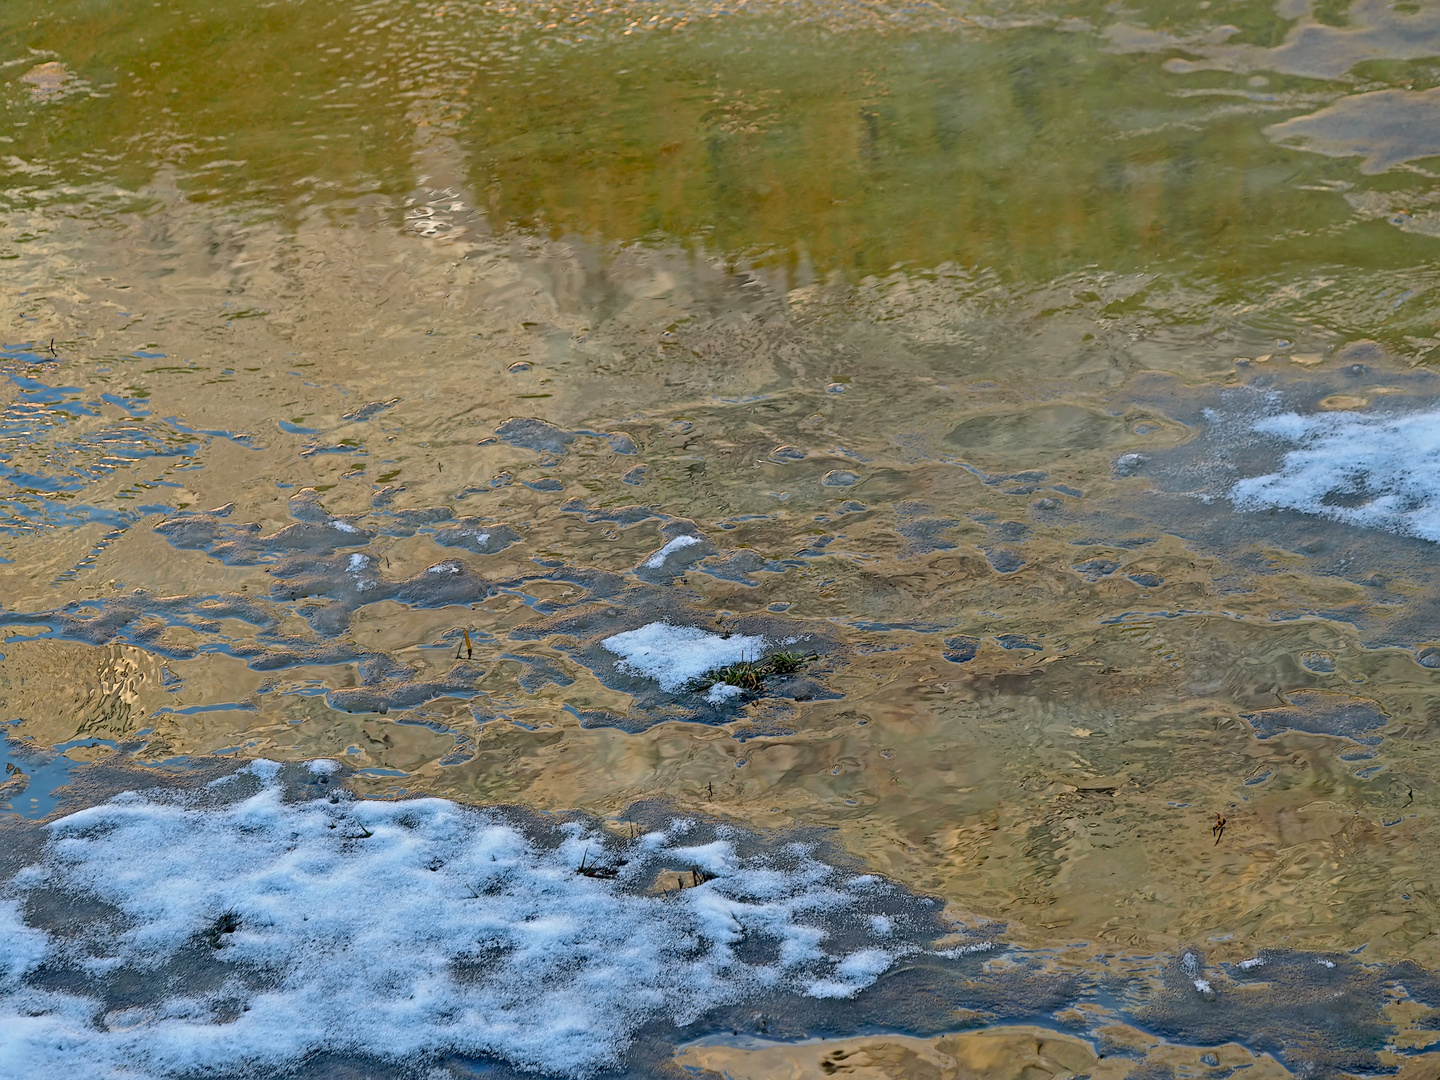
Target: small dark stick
<point>52,348</point>
<point>710,787</point>
<point>1218,828</point>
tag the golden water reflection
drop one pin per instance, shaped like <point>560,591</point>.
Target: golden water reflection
<point>971,262</point>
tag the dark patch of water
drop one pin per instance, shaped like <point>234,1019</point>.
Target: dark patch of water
<point>1321,712</point>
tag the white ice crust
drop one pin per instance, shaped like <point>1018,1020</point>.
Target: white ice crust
<point>723,692</point>
<point>657,560</point>
<point>444,930</point>
<point>357,565</point>
<point>673,655</point>
<point>1374,471</point>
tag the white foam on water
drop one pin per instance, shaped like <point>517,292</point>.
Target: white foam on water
<point>1372,471</point>
<point>657,560</point>
<point>398,930</point>
<point>673,655</point>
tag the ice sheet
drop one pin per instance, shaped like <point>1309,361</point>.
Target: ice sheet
<point>1375,471</point>
<point>398,930</point>
<point>673,655</point>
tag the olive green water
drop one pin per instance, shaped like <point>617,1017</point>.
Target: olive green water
<point>930,246</point>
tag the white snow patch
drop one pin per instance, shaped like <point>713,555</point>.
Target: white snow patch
<point>673,655</point>
<point>359,562</point>
<point>344,526</point>
<point>22,948</point>
<point>654,562</point>
<point>722,692</point>
<point>1252,963</point>
<point>856,971</point>
<point>867,964</point>
<point>1191,965</point>
<point>966,950</point>
<point>443,568</point>
<point>1373,471</point>
<point>398,930</point>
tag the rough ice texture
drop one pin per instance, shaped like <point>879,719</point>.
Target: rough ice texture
<point>532,434</point>
<point>1386,127</point>
<point>245,545</point>
<point>961,648</point>
<point>349,582</point>
<point>682,549</point>
<point>316,531</point>
<point>1321,712</point>
<point>721,692</point>
<point>1380,472</point>
<point>365,412</point>
<point>396,686</point>
<point>1094,569</point>
<point>478,536</point>
<point>654,562</point>
<point>673,655</point>
<point>622,443</point>
<point>1323,1014</point>
<point>621,515</point>
<point>740,565</point>
<point>234,931</point>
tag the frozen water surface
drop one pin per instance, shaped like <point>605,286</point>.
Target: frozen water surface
<point>1375,471</point>
<point>449,390</point>
<point>450,930</point>
<point>674,655</point>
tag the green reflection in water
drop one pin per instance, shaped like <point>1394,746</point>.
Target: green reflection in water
<point>803,142</point>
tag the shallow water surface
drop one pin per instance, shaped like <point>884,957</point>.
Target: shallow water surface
<point>987,450</point>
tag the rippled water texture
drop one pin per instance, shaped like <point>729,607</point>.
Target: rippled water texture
<point>1032,403</point>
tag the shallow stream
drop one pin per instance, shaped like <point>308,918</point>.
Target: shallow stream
<point>447,390</point>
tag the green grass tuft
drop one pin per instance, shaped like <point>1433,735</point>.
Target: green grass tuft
<point>750,675</point>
